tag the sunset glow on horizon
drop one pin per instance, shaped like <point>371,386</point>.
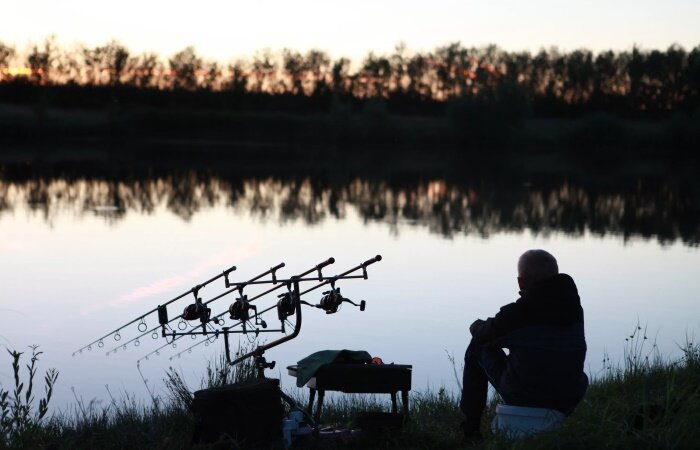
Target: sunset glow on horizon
<point>225,31</point>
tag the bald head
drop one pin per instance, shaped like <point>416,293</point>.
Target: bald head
<point>536,265</point>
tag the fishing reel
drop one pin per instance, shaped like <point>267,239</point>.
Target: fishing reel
<point>331,301</point>
<point>285,306</point>
<point>240,310</point>
<point>197,310</point>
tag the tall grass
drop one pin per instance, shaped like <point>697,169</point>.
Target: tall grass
<point>123,423</point>
<point>21,415</point>
<point>218,373</point>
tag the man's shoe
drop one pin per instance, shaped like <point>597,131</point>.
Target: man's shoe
<point>472,434</point>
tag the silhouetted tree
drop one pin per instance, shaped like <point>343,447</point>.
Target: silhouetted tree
<point>294,67</point>
<point>264,72</point>
<point>487,63</point>
<point>211,76</point>
<point>41,60</point>
<point>398,69</point>
<point>518,69</point>
<point>118,57</point>
<point>238,81</point>
<point>105,64</point>
<point>375,76</point>
<point>671,71</point>
<point>417,69</point>
<point>6,54</point>
<point>144,71</point>
<point>607,81</point>
<point>579,79</point>
<point>184,68</point>
<point>340,76</point>
<point>316,63</point>
<point>692,96</point>
<point>69,66</point>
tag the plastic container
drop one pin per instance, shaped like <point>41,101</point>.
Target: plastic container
<point>288,427</point>
<point>519,421</point>
<point>294,427</point>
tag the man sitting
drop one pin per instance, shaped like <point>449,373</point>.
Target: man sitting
<point>543,331</point>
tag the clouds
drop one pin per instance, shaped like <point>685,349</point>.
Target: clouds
<point>203,269</point>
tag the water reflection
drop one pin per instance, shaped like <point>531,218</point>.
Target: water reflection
<point>449,208</point>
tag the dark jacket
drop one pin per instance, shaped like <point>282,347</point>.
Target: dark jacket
<point>544,333</point>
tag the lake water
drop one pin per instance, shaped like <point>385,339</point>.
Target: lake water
<point>83,254</point>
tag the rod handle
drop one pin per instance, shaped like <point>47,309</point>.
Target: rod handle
<point>372,260</point>
<point>325,263</point>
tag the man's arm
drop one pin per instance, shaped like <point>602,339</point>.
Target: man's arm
<point>484,331</point>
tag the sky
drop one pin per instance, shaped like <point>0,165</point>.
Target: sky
<point>226,30</point>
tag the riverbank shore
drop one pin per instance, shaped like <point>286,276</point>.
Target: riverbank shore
<point>588,140</point>
<point>645,401</point>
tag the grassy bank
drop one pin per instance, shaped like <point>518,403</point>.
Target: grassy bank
<point>644,402</point>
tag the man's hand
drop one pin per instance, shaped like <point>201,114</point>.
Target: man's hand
<point>475,326</point>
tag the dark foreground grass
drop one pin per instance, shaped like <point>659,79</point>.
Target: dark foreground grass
<point>645,402</point>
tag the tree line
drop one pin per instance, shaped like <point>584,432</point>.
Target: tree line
<point>549,82</point>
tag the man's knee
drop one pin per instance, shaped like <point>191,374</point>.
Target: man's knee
<point>489,360</point>
<point>474,348</point>
<point>483,355</point>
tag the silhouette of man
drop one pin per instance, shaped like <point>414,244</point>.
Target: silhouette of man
<point>543,331</point>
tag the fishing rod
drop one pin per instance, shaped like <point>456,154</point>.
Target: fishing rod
<point>329,303</point>
<point>317,268</point>
<point>199,307</point>
<point>117,336</point>
<point>324,281</point>
<point>240,308</point>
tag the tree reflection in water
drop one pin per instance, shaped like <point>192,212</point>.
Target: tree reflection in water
<point>480,208</point>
